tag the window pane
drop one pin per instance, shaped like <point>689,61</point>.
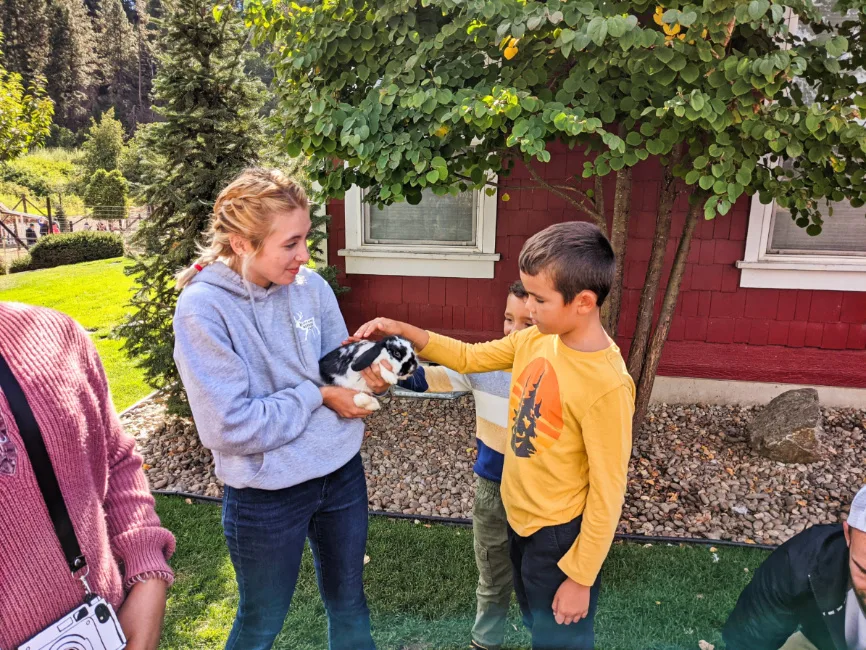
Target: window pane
<point>437,219</point>
<point>844,232</point>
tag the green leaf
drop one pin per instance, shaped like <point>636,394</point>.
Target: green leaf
<point>706,182</point>
<point>794,149</point>
<point>633,138</point>
<point>837,46</point>
<point>687,19</point>
<point>218,12</point>
<point>813,230</point>
<point>556,17</point>
<point>741,87</point>
<point>534,22</point>
<point>758,8</point>
<point>665,77</point>
<point>597,30</point>
<point>567,35</point>
<point>616,26</point>
<point>690,73</point>
<point>697,101</point>
<point>678,62</point>
<point>813,123</point>
<point>671,16</point>
<point>700,162</point>
<point>664,54</point>
<point>693,176</point>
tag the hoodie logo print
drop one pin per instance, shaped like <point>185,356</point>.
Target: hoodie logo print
<point>306,325</point>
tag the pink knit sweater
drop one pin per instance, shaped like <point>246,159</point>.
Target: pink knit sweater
<point>97,467</point>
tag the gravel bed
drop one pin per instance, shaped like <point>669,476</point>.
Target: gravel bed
<point>692,473</point>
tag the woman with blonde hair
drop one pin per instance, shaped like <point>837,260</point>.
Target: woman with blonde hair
<point>251,324</point>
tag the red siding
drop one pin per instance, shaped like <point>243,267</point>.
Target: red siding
<point>719,330</point>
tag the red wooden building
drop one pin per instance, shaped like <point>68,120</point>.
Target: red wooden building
<point>762,304</point>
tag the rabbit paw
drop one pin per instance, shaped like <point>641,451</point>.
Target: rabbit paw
<point>364,401</point>
<point>388,376</point>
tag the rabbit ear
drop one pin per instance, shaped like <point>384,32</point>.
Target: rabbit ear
<point>368,357</point>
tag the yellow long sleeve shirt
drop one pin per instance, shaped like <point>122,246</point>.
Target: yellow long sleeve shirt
<point>570,436</point>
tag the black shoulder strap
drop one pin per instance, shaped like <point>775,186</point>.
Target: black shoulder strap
<point>45,476</point>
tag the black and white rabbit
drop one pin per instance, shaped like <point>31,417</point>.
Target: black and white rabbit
<point>343,366</point>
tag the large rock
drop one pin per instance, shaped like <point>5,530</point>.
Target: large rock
<point>789,429</point>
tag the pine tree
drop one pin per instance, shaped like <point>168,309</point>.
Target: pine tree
<point>24,24</point>
<point>209,131</point>
<point>103,144</point>
<point>71,71</point>
<point>117,46</point>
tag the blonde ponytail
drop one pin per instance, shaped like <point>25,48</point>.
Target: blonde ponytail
<point>246,208</point>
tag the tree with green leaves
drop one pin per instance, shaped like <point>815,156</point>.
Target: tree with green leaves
<point>401,96</point>
<point>25,114</point>
<point>209,131</point>
<point>24,24</point>
<point>118,48</point>
<point>71,70</point>
<point>106,189</point>
<point>103,144</point>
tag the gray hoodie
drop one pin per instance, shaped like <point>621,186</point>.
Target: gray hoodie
<point>249,361</point>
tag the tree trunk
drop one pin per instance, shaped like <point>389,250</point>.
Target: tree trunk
<point>619,241</point>
<point>654,353</point>
<point>646,309</point>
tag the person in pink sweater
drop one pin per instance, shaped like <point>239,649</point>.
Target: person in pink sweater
<point>100,477</point>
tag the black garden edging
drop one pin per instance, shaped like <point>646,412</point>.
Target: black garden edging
<point>467,523</point>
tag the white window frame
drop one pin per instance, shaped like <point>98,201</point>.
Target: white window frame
<point>427,260</point>
<point>764,270</point>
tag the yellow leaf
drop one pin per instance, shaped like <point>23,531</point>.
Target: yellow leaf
<point>510,52</point>
<point>729,471</point>
<point>442,131</point>
<point>512,42</point>
<point>713,549</point>
<point>801,503</point>
<point>672,29</point>
<point>145,467</point>
<point>657,17</point>
<point>506,198</point>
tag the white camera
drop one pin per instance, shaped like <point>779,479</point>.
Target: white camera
<point>92,625</point>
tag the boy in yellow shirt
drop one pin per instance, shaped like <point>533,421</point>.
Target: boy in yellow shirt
<point>570,411</point>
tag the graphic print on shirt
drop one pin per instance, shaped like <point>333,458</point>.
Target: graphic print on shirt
<point>536,409</point>
<point>306,325</point>
<point>8,452</point>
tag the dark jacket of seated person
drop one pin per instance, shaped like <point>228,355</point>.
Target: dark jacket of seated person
<point>802,585</point>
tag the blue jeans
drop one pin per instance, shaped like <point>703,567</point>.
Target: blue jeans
<point>266,530</point>
<point>537,577</point>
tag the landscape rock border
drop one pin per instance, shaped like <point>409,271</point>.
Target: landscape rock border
<point>692,473</point>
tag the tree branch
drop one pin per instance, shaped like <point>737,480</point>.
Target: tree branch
<point>580,205</point>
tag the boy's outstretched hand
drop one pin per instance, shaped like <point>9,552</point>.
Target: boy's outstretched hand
<point>388,327</point>
<point>571,602</point>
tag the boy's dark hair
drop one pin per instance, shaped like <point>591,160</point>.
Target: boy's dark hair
<point>517,289</point>
<point>577,255</point>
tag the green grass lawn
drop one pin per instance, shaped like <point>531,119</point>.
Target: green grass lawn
<point>95,294</point>
<point>421,588</point>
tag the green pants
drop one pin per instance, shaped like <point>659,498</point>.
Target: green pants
<point>495,583</point>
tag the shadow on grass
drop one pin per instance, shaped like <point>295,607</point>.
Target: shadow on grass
<point>421,587</point>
